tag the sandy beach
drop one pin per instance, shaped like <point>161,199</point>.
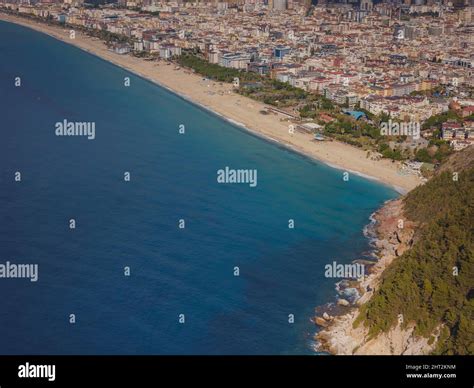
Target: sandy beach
<point>221,99</point>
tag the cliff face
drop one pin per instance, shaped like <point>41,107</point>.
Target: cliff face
<point>395,234</point>
<point>423,303</point>
<point>342,339</point>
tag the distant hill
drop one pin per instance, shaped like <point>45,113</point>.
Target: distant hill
<point>432,284</point>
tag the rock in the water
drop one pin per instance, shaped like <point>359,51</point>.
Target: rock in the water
<point>343,302</point>
<point>326,317</point>
<point>321,322</point>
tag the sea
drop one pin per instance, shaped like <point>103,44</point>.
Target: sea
<point>139,248</point>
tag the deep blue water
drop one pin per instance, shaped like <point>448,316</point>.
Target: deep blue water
<point>173,271</point>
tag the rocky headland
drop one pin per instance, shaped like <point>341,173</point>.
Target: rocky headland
<point>392,235</point>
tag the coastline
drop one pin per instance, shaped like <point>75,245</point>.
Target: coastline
<point>240,111</point>
<point>338,335</point>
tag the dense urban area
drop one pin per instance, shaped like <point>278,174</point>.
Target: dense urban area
<point>393,78</point>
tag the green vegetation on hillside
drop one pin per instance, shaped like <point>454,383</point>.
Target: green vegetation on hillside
<point>437,120</point>
<point>437,152</point>
<point>422,284</point>
<point>394,154</point>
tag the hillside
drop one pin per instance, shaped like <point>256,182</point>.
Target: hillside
<point>459,161</point>
<point>432,284</point>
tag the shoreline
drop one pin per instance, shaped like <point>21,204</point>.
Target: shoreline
<point>337,334</point>
<point>335,320</point>
<point>240,111</point>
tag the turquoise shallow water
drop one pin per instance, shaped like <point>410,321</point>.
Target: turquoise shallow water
<point>173,271</point>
